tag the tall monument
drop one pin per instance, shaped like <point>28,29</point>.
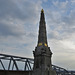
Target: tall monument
<point>42,53</point>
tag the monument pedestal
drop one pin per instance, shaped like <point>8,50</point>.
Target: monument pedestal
<point>52,72</point>
<point>46,72</point>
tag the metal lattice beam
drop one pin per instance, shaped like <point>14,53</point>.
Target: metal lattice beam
<point>13,60</point>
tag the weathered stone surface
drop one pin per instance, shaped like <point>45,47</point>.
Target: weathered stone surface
<point>42,53</point>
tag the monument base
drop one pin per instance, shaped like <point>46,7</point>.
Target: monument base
<point>39,72</point>
<point>52,72</point>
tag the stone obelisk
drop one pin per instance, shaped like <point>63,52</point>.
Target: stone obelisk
<point>42,53</point>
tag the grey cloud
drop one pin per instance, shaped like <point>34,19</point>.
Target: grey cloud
<point>10,9</point>
<point>52,36</point>
<point>8,30</point>
<point>5,30</point>
<point>17,10</point>
<point>7,8</point>
<point>31,35</point>
<point>24,11</point>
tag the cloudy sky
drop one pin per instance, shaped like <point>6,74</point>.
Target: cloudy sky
<point>19,23</point>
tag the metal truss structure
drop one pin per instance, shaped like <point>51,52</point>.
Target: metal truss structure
<point>62,71</point>
<point>9,62</point>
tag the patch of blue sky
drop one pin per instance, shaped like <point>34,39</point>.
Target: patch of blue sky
<point>47,4</point>
<point>72,6</point>
<point>61,0</point>
<point>52,27</point>
<point>25,44</point>
<point>61,31</point>
<point>6,44</point>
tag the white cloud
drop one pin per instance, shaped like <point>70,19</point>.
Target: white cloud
<point>61,4</point>
<point>68,44</point>
<point>73,1</point>
<point>63,53</point>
